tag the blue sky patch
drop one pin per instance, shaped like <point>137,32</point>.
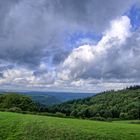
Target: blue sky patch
<point>79,38</point>
<point>134,15</point>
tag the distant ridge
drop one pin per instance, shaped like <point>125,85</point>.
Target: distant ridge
<point>51,98</point>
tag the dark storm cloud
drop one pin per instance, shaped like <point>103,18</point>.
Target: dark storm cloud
<point>91,14</point>
<point>5,7</point>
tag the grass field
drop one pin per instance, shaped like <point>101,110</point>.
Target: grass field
<point>15,126</point>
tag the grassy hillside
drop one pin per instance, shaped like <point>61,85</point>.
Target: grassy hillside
<point>124,104</point>
<point>15,126</point>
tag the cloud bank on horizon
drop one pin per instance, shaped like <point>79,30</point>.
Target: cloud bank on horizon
<point>82,45</point>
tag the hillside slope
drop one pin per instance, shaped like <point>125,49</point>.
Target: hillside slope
<point>15,126</point>
<point>124,104</point>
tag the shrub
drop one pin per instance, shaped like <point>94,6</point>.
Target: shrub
<point>15,109</point>
<point>124,116</point>
<point>133,114</point>
<point>59,114</point>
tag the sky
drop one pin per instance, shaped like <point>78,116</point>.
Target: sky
<point>69,45</point>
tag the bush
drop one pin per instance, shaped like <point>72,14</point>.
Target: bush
<point>109,119</point>
<point>74,113</point>
<point>59,114</point>
<point>2,109</point>
<point>133,114</point>
<point>124,116</point>
<point>105,114</point>
<point>15,109</point>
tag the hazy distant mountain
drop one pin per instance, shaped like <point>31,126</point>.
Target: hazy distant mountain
<point>50,98</point>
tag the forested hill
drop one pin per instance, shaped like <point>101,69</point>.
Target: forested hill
<point>16,103</point>
<point>124,104</point>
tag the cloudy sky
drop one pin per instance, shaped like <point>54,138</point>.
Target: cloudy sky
<point>69,45</point>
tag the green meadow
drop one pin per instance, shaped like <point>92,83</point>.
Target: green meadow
<point>14,126</point>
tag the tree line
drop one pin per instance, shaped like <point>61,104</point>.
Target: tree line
<point>122,104</point>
